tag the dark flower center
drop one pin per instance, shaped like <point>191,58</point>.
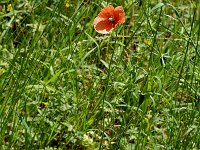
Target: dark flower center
<point>111,19</point>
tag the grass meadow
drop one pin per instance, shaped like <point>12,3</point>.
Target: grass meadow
<point>65,86</point>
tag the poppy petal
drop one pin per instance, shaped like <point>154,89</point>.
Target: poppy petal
<point>107,12</point>
<point>102,25</point>
<point>119,14</point>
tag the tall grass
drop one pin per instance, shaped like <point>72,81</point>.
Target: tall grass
<point>64,86</point>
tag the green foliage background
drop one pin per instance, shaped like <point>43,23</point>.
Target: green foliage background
<point>64,86</point>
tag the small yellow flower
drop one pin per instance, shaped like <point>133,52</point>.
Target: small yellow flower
<point>67,3</point>
<point>10,8</point>
<point>147,42</point>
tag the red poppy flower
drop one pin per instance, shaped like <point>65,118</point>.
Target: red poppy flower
<point>108,19</point>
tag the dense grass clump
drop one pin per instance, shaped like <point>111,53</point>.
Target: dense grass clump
<point>64,86</point>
